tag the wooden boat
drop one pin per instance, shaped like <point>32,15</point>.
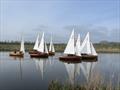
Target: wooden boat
<point>70,59</point>
<point>16,53</point>
<point>51,48</point>
<point>35,48</point>
<point>71,50</point>
<point>19,53</point>
<point>42,50</point>
<point>39,55</point>
<point>87,49</point>
<point>89,57</point>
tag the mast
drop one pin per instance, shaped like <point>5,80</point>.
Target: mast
<point>22,49</point>
<point>36,43</point>
<point>41,46</point>
<point>70,48</point>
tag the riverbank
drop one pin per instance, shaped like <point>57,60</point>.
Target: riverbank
<point>100,47</point>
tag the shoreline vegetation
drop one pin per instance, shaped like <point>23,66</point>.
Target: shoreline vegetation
<point>96,81</point>
<point>102,47</point>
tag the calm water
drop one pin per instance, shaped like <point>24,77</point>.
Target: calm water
<point>36,74</point>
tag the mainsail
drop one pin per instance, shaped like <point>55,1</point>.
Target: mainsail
<point>36,43</point>
<point>70,48</point>
<point>22,49</point>
<point>77,48</point>
<point>85,48</point>
<point>41,46</point>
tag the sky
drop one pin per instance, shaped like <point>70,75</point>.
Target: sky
<point>27,18</point>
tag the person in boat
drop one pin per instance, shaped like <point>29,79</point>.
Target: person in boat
<point>15,51</point>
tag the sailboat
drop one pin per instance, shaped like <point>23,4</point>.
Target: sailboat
<point>21,52</point>
<point>71,50</point>
<point>42,49</point>
<point>87,49</point>
<point>35,48</point>
<point>51,48</point>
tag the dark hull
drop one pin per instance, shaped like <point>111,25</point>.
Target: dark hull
<point>39,55</point>
<point>70,58</point>
<point>33,52</point>
<point>89,57</point>
<point>51,53</point>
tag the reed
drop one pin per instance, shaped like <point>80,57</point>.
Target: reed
<point>96,82</point>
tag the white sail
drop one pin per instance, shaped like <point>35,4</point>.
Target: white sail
<point>46,50</point>
<point>51,47</point>
<point>93,52</point>
<point>85,47</point>
<point>36,43</point>
<point>41,46</point>
<point>77,48</point>
<point>70,48</point>
<point>22,48</point>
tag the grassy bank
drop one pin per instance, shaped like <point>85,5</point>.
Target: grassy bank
<point>100,47</point>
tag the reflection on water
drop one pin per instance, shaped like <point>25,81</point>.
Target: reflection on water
<point>36,74</point>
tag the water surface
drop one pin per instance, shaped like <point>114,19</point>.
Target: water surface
<point>36,74</point>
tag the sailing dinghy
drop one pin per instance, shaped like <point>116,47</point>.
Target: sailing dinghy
<point>51,48</point>
<point>87,49</point>
<point>21,52</point>
<point>42,50</point>
<point>35,48</point>
<point>71,50</point>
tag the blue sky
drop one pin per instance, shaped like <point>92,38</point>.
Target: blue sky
<point>29,17</point>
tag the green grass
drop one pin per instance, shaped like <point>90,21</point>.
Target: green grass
<point>100,47</point>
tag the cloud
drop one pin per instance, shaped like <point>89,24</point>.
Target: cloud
<point>97,33</point>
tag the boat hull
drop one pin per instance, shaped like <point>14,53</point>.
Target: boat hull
<point>70,58</point>
<point>51,53</point>
<point>89,57</point>
<point>39,55</point>
<point>17,54</point>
